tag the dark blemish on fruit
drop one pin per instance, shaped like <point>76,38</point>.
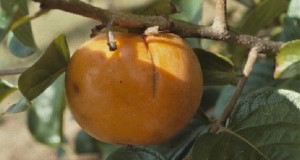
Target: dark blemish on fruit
<point>120,81</point>
<point>76,88</point>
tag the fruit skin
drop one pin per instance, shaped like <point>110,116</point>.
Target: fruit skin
<point>143,93</point>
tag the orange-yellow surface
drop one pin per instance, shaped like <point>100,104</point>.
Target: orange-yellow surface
<point>143,93</point>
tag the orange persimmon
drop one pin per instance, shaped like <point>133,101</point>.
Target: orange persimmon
<point>143,93</point>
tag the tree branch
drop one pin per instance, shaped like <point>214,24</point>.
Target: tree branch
<point>220,20</point>
<point>12,71</point>
<point>181,28</point>
<point>252,56</point>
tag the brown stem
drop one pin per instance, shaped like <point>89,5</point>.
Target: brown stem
<point>97,30</point>
<point>110,36</point>
<point>181,28</point>
<point>239,88</point>
<point>12,71</point>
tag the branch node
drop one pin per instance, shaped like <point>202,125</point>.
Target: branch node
<point>96,30</point>
<point>220,20</point>
<point>170,23</point>
<point>218,31</point>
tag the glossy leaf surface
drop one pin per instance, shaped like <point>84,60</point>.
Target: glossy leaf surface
<point>216,69</point>
<point>264,125</point>
<point>288,60</point>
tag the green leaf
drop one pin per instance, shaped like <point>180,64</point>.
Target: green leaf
<point>157,7</point>
<point>22,105</point>
<point>290,30</point>
<point>5,89</point>
<point>179,146</point>
<point>290,23</point>
<point>288,60</point>
<point>135,153</point>
<point>106,149</point>
<point>290,83</point>
<point>143,7</point>
<point>264,125</point>
<point>40,75</point>
<point>293,10</point>
<point>224,146</point>
<point>262,15</point>
<point>207,102</point>
<point>216,69</point>
<point>18,44</point>
<point>4,23</point>
<point>45,117</point>
<point>9,6</point>
<point>84,143</point>
<point>19,49</point>
<point>19,8</point>
<point>238,54</point>
<point>4,19</point>
<point>2,34</point>
<point>28,18</point>
<point>261,76</point>
<point>268,106</point>
<point>249,3</point>
<point>189,11</point>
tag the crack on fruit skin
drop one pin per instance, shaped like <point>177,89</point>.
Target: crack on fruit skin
<point>154,69</point>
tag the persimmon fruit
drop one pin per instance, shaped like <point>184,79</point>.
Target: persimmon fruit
<point>143,93</point>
